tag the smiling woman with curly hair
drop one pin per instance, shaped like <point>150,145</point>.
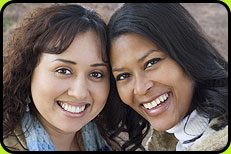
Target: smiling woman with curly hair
<point>56,81</point>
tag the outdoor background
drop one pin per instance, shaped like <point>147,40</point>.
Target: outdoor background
<point>212,17</point>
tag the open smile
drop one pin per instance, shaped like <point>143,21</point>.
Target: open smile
<point>158,105</point>
<point>70,109</point>
<point>156,102</point>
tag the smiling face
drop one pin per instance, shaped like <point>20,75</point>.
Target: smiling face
<point>149,81</point>
<point>71,88</point>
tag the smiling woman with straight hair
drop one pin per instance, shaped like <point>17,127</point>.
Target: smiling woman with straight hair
<point>168,76</point>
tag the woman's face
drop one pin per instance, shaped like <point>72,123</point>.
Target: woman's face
<point>71,88</point>
<point>149,81</point>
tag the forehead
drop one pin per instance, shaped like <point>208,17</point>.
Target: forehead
<point>85,47</point>
<point>130,45</point>
<point>86,42</point>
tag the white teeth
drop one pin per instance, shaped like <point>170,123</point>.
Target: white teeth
<point>72,109</point>
<point>146,105</point>
<point>154,103</point>
<point>157,101</point>
<point>66,106</point>
<point>77,110</point>
<point>161,98</point>
<point>69,108</point>
<point>149,105</point>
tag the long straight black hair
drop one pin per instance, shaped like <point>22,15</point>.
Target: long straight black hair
<point>174,31</point>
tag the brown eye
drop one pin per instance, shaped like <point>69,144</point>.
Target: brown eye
<point>122,76</point>
<point>63,71</point>
<point>96,75</point>
<point>151,62</point>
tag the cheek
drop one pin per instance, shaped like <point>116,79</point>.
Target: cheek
<point>100,92</point>
<point>44,89</point>
<point>183,85</point>
<point>186,87</point>
<point>176,78</point>
<point>124,94</point>
<point>182,89</point>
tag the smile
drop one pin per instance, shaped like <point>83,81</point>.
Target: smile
<point>156,102</point>
<point>72,108</point>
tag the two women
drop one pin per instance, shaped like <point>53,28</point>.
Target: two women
<point>167,75</point>
<point>56,82</point>
<point>171,77</point>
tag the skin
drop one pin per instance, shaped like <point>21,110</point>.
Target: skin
<point>143,72</point>
<point>78,76</point>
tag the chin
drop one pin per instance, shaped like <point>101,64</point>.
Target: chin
<point>70,128</point>
<point>161,127</point>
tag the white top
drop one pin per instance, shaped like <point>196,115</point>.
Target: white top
<point>195,127</point>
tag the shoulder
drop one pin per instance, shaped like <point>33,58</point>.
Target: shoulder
<point>16,142</point>
<point>95,139</point>
<point>211,140</point>
<point>161,141</point>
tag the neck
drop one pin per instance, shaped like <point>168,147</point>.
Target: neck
<point>62,141</point>
<point>189,129</point>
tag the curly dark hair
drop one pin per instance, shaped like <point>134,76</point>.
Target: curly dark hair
<point>174,31</point>
<point>45,30</point>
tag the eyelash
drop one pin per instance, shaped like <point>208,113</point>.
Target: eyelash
<point>97,75</point>
<point>124,75</point>
<point>63,71</point>
<point>149,64</point>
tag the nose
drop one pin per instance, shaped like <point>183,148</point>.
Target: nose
<point>79,88</point>
<point>142,85</point>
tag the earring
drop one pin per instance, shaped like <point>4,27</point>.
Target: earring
<point>27,108</point>
<point>27,104</point>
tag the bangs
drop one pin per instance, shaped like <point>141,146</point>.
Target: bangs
<point>61,32</point>
<point>58,37</point>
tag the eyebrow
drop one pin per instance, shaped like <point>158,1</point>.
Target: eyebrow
<point>72,62</point>
<point>65,61</point>
<point>146,55</point>
<point>99,64</point>
<point>117,69</point>
<point>139,60</point>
